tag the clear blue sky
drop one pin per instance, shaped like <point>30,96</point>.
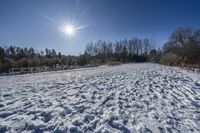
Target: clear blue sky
<point>36,23</point>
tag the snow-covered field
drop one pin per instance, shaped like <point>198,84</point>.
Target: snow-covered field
<point>135,98</point>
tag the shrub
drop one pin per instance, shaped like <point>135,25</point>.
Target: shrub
<point>170,59</point>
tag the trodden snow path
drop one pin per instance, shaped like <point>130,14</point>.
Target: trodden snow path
<point>130,98</point>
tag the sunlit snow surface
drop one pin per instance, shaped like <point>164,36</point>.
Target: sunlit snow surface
<point>135,98</point>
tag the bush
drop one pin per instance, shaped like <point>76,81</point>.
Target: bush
<point>34,62</point>
<point>170,59</point>
<point>183,48</point>
<point>113,63</point>
<point>1,65</point>
<point>22,63</point>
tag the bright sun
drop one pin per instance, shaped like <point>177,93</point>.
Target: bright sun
<point>69,30</point>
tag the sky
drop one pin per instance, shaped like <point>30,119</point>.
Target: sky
<point>39,23</point>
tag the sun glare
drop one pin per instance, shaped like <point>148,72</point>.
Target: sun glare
<point>69,30</point>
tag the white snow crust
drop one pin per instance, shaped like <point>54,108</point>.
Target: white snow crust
<point>129,98</point>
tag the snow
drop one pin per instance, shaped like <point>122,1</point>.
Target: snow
<point>129,98</point>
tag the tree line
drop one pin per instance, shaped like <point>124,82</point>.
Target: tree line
<point>100,52</point>
<point>122,51</point>
<point>16,57</point>
<point>182,48</point>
